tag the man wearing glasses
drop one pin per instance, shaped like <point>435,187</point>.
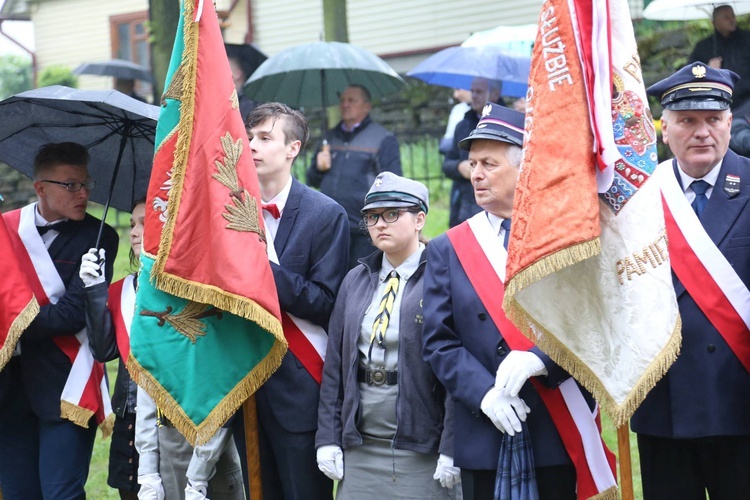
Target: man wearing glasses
<point>47,454</point>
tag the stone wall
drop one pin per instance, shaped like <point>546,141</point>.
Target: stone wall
<point>16,188</point>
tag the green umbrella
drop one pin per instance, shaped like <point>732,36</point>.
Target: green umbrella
<point>314,74</point>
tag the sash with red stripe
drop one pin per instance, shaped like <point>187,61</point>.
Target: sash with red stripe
<point>579,428</point>
<point>306,340</point>
<point>122,307</point>
<point>704,271</point>
<point>85,393</point>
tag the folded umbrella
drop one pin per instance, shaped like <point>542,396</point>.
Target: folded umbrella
<point>515,478</point>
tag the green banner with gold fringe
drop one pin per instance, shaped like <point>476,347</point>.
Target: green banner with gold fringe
<point>206,331</point>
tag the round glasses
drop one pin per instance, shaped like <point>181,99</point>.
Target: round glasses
<point>75,186</point>
<point>389,216</point>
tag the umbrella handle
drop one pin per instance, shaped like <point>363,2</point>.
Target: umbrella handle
<point>123,140</point>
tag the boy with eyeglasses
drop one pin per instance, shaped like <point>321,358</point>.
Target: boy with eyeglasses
<point>48,411</point>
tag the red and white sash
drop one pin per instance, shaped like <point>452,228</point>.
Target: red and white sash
<point>85,393</point>
<point>122,308</point>
<point>707,275</point>
<point>307,341</point>
<point>483,257</point>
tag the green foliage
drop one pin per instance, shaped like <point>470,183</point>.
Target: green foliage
<point>15,74</point>
<point>58,75</point>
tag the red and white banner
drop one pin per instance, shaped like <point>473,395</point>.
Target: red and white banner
<point>589,279</point>
<point>85,393</point>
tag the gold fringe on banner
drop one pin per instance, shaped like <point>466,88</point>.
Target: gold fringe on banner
<point>107,426</point>
<point>610,494</point>
<point>550,265</point>
<point>200,434</point>
<point>560,354</point>
<point>76,414</point>
<point>188,67</point>
<point>19,325</point>
<point>221,299</point>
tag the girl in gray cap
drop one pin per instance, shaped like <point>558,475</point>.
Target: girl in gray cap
<point>381,429</point>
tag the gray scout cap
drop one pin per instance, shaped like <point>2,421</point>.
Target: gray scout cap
<point>392,191</point>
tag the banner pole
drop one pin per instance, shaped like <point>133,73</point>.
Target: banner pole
<point>623,455</point>
<point>252,449</point>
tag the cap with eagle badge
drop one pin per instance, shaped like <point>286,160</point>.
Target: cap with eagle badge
<point>497,123</point>
<point>696,86</point>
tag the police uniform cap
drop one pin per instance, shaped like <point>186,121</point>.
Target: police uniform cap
<point>696,86</point>
<point>497,123</point>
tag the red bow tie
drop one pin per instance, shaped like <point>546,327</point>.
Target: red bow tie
<point>272,209</point>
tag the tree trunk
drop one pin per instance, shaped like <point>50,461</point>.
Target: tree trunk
<point>334,21</point>
<point>163,18</point>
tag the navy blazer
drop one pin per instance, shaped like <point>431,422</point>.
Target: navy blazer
<point>464,348</point>
<point>312,243</point>
<point>44,367</point>
<point>706,392</point>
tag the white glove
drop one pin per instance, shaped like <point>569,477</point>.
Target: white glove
<point>151,487</point>
<point>196,490</point>
<point>446,473</point>
<point>516,369</point>
<point>506,412</point>
<point>331,461</point>
<point>92,268</point>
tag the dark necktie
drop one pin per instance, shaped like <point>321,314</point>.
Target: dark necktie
<point>272,209</point>
<point>380,325</point>
<point>699,203</point>
<point>60,227</point>
<point>505,224</point>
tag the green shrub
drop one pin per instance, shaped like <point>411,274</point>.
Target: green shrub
<point>58,75</point>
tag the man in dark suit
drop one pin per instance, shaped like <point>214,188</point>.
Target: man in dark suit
<point>351,155</point>
<point>475,360</point>
<point>308,239</point>
<point>694,426</point>
<point>44,454</point>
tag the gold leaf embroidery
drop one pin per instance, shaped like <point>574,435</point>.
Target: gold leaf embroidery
<point>188,321</point>
<point>174,91</point>
<point>227,175</point>
<point>242,213</point>
<point>234,99</point>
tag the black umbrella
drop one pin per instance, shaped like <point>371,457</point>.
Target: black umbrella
<point>117,68</point>
<point>114,128</point>
<point>248,55</point>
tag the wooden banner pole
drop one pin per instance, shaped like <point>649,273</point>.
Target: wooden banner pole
<point>252,448</point>
<point>623,455</point>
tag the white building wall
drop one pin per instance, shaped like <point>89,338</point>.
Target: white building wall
<point>61,39</point>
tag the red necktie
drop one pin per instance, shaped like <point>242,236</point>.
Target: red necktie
<point>272,209</point>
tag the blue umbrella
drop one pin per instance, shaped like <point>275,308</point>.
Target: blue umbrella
<point>457,67</point>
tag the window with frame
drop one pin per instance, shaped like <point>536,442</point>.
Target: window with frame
<point>130,42</point>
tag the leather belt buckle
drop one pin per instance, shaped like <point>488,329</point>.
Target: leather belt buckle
<point>377,377</point>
